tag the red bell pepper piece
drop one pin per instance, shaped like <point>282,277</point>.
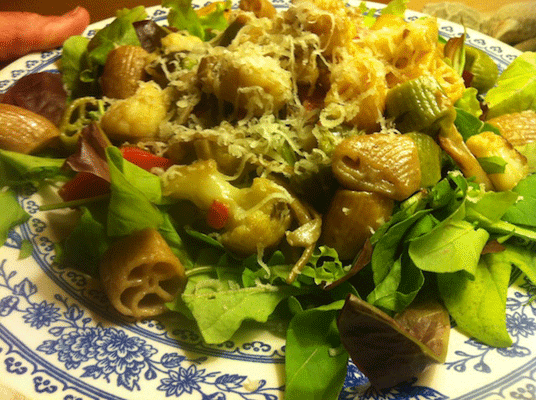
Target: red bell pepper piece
<point>145,159</point>
<point>218,215</point>
<point>84,186</point>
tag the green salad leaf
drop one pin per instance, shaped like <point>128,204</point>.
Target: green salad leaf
<point>12,213</point>
<point>87,242</point>
<point>516,87</point>
<point>479,305</point>
<point>469,102</point>
<point>313,350</point>
<point>394,7</point>
<point>128,200</point>
<point>220,306</point>
<point>469,125</point>
<point>82,59</point>
<point>17,169</point>
<point>183,17</point>
<point>522,212</point>
<point>492,165</point>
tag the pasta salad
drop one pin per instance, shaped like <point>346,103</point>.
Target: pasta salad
<point>335,167</point>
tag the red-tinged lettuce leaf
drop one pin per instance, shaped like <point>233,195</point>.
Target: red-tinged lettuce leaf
<point>91,153</point>
<point>150,34</point>
<point>391,350</point>
<point>42,93</point>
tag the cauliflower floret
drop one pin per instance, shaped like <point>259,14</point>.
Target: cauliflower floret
<point>248,80</point>
<point>258,215</point>
<point>139,116</point>
<point>179,41</point>
<point>488,144</point>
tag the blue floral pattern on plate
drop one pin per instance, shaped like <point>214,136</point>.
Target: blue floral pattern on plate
<point>60,338</point>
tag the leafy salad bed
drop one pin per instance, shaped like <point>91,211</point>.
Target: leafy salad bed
<point>454,242</point>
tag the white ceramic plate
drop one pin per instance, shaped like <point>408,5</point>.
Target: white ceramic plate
<point>59,339</point>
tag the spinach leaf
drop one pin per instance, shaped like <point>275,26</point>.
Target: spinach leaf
<point>454,245</point>
<point>521,257</point>
<point>26,249</point>
<point>493,164</point>
<point>388,247</point>
<point>399,288</point>
<point>469,125</point>
<point>315,362</point>
<point>488,207</point>
<point>175,242</point>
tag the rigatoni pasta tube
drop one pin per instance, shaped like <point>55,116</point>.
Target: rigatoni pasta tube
<point>140,274</point>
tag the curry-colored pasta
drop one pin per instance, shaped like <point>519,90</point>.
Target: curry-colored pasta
<point>140,274</point>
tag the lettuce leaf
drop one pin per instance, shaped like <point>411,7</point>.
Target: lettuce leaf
<point>183,17</point>
<point>479,305</point>
<point>394,7</point>
<point>522,212</point>
<point>17,169</point>
<point>313,349</point>
<point>516,87</point>
<point>220,306</point>
<point>469,102</point>
<point>12,214</point>
<point>82,59</point>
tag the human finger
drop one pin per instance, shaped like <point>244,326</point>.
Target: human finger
<point>24,32</point>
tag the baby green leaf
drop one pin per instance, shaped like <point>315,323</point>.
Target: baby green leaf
<point>478,306</point>
<point>12,214</point>
<point>315,362</point>
<point>453,245</point>
<point>220,307</point>
<point>516,87</point>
